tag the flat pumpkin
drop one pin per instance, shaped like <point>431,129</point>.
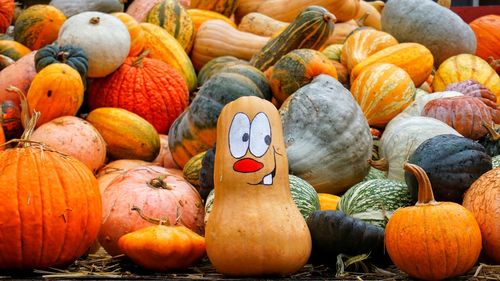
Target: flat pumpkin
<point>486,30</point>
<point>251,173</point>
<point>6,14</point>
<point>68,54</point>
<point>38,26</point>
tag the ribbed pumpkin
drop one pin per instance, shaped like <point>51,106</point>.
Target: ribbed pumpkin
<point>466,67</point>
<point>474,89</point>
<point>482,200</point>
<point>170,15</point>
<point>13,49</point>
<point>224,7</point>
<point>164,47</point>
<point>383,90</point>
<point>310,29</point>
<point>464,114</point>
<point>68,54</point>
<point>296,69</point>
<point>148,87</point>
<point>38,26</point>
<point>413,58</point>
<point>487,36</point>
<point>199,16</point>
<point>135,31</point>
<point>6,14</point>
<point>127,134</point>
<point>59,195</point>
<point>20,74</point>
<point>362,44</point>
<point>194,130</point>
<point>432,240</point>
<point>56,91</point>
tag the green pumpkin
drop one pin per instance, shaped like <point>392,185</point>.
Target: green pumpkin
<point>68,54</point>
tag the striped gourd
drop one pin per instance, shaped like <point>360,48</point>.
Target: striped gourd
<point>13,49</point>
<point>413,58</point>
<point>217,65</point>
<point>375,174</point>
<point>310,29</point>
<point>383,91</point>
<point>466,67</point>
<point>170,15</point>
<point>192,169</point>
<point>363,43</point>
<point>303,194</point>
<point>224,7</point>
<point>333,51</point>
<point>164,47</point>
<point>495,161</point>
<point>374,201</point>
<point>199,16</point>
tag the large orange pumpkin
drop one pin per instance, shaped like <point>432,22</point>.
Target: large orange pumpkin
<point>432,240</point>
<point>55,214</point>
<point>487,33</point>
<point>6,14</point>
<point>147,87</point>
<point>158,192</point>
<point>482,199</point>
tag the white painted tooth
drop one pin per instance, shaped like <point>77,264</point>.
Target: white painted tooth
<point>268,180</point>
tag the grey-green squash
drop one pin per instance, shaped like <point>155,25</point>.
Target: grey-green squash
<point>374,201</point>
<point>495,161</point>
<point>327,137</point>
<point>442,31</point>
<point>72,7</point>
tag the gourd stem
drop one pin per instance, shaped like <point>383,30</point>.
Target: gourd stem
<point>159,182</point>
<point>95,20</point>
<point>329,17</point>
<point>445,3</point>
<point>425,195</point>
<point>494,135</point>
<point>138,60</point>
<point>493,62</point>
<point>381,164</point>
<point>361,20</point>
<point>149,219</point>
<point>62,56</point>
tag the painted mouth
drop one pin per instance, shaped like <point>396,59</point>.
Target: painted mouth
<point>269,178</point>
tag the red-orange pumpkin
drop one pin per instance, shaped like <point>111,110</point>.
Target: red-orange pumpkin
<point>6,14</point>
<point>487,33</point>
<point>20,74</point>
<point>147,87</point>
<point>158,192</point>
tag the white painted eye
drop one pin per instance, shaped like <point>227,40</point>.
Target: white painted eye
<point>260,135</point>
<point>239,135</point>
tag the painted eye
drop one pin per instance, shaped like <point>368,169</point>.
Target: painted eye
<point>239,135</point>
<point>260,135</point>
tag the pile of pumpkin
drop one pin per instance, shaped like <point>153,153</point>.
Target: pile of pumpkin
<point>109,129</point>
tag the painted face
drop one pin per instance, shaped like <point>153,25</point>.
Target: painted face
<point>251,144</point>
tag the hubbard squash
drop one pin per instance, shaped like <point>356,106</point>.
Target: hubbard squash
<point>452,164</point>
<point>413,58</point>
<point>224,7</point>
<point>408,21</point>
<point>38,26</point>
<point>334,157</point>
<point>7,8</point>
<point>13,49</point>
<point>216,38</point>
<point>309,30</point>
<point>251,173</point>
<point>488,39</point>
<point>491,141</point>
<point>466,67</point>
<point>199,16</point>
<point>261,24</point>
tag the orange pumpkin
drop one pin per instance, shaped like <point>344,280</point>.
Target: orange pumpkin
<point>482,200</point>
<point>20,74</point>
<point>466,67</point>
<point>57,90</point>
<point>487,33</point>
<point>113,169</point>
<point>432,240</point>
<point>13,49</point>
<point>38,26</point>
<point>135,31</point>
<point>6,14</point>
<point>158,192</point>
<point>383,90</point>
<point>328,201</point>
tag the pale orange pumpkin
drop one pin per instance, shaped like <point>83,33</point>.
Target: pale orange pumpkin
<point>135,31</point>
<point>164,158</point>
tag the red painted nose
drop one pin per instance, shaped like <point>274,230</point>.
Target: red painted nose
<point>247,165</point>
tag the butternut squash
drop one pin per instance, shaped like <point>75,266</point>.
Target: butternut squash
<point>216,38</point>
<point>261,24</point>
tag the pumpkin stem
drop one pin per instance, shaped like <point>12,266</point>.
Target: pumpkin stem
<point>381,164</point>
<point>95,20</point>
<point>159,182</point>
<point>329,17</point>
<point>362,19</point>
<point>62,56</point>
<point>445,3</point>
<point>138,60</point>
<point>493,62</point>
<point>494,135</point>
<point>161,221</point>
<point>425,195</point>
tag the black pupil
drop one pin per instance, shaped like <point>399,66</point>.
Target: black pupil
<point>245,137</point>
<point>267,139</point>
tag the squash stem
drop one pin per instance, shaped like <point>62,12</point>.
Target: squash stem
<point>62,56</point>
<point>140,58</point>
<point>329,17</point>
<point>159,182</point>
<point>361,20</point>
<point>95,20</point>
<point>161,221</point>
<point>494,135</point>
<point>381,164</point>
<point>425,194</point>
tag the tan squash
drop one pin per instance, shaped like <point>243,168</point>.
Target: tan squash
<point>373,17</point>
<point>261,24</point>
<point>216,38</point>
<point>254,209</point>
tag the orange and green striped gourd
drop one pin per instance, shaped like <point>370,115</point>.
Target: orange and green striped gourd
<point>224,7</point>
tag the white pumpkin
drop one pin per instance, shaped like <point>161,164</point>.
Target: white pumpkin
<point>104,38</point>
<point>403,135</point>
<point>416,107</point>
<point>76,137</point>
<point>72,7</point>
<point>327,137</point>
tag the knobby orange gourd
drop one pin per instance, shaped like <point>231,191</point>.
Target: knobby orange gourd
<point>255,227</point>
